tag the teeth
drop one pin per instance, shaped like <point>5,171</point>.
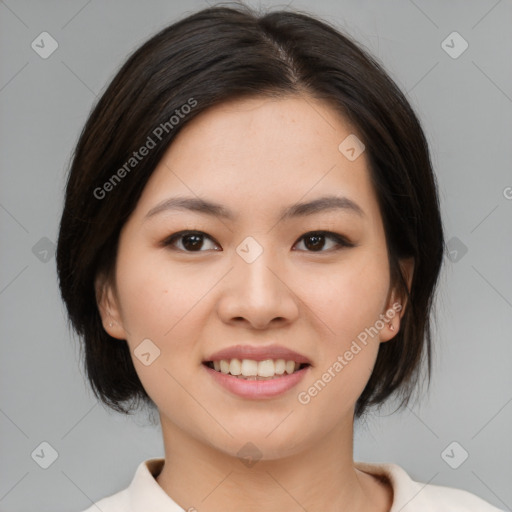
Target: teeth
<point>235,367</point>
<point>252,370</point>
<point>280,366</point>
<point>267,368</point>
<point>290,366</point>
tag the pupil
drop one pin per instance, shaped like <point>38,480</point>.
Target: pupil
<point>196,241</point>
<point>318,243</point>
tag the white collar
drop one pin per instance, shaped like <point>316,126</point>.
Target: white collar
<point>144,492</point>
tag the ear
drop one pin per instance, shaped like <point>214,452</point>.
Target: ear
<point>396,303</point>
<point>108,306</point>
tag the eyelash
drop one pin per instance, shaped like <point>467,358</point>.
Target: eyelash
<point>340,240</point>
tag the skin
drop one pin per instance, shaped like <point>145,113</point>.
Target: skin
<point>255,156</point>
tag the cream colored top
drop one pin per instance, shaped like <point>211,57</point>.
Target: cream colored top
<point>144,494</point>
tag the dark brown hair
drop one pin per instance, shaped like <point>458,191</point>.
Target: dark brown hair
<point>223,53</point>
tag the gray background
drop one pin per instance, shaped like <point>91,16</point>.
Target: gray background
<point>465,105</point>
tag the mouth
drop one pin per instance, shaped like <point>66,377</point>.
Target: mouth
<point>250,369</point>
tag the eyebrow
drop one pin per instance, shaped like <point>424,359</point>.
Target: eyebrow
<point>196,204</point>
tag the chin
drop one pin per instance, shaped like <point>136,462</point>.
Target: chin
<point>259,444</point>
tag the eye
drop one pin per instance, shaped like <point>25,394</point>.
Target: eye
<point>192,241</point>
<point>315,240</point>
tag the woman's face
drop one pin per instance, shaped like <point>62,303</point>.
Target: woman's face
<point>251,278</point>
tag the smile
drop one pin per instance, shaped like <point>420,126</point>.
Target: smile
<point>249,369</point>
<point>252,379</point>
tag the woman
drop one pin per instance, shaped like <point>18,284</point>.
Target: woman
<point>250,245</point>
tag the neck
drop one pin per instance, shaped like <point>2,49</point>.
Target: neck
<point>322,477</point>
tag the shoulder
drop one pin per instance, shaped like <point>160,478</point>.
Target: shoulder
<point>142,494</point>
<point>412,496</point>
<point>118,502</point>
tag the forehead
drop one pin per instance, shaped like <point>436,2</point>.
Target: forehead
<point>260,154</point>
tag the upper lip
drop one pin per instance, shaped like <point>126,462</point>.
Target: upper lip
<point>258,353</point>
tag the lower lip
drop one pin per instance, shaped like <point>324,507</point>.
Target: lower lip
<point>257,389</point>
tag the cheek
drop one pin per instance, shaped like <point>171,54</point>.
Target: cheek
<point>348,297</point>
<point>160,302</point>
<point>155,294</point>
<point>348,302</point>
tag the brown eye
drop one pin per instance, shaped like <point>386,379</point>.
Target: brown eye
<point>191,241</point>
<point>315,241</point>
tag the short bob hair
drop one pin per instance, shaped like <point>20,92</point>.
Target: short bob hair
<point>209,57</point>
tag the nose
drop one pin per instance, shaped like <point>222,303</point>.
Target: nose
<point>258,294</point>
